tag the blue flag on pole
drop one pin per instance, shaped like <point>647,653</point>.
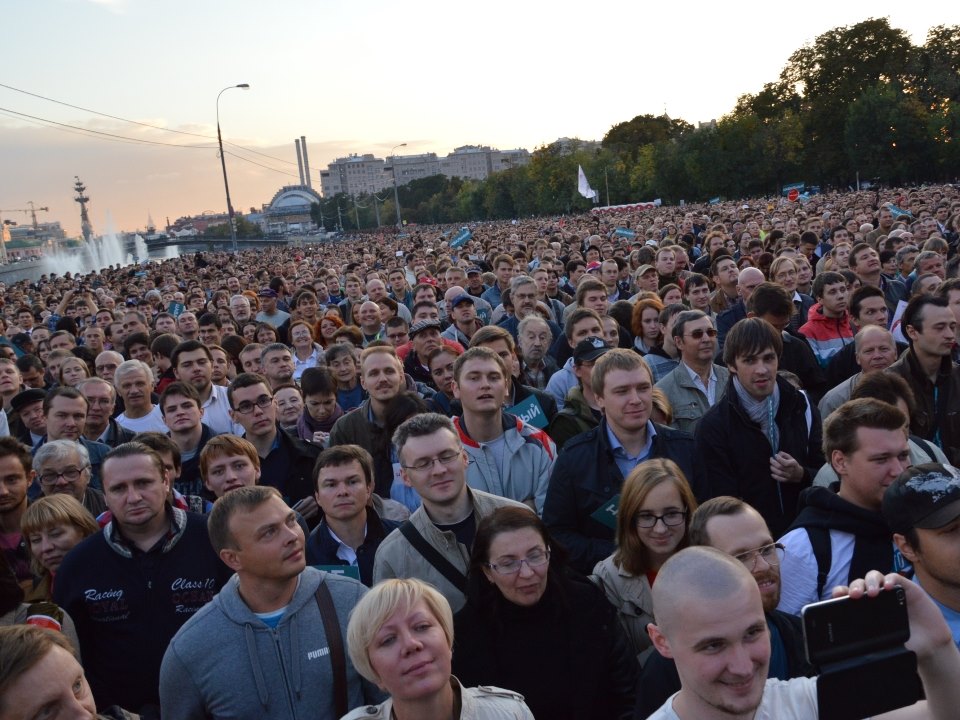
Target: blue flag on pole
<point>462,238</point>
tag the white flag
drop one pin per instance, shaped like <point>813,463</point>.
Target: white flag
<point>583,186</point>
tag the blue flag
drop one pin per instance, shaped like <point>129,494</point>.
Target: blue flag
<point>462,238</point>
<point>624,232</point>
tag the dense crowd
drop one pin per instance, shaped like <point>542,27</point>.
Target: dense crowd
<point>580,467</point>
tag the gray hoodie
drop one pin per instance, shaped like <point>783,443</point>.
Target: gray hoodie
<point>226,663</point>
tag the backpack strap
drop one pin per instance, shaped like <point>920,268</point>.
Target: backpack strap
<point>338,658</point>
<point>820,544</point>
<point>433,556</point>
<point>925,446</point>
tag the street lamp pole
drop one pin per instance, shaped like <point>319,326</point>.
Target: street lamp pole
<point>396,195</point>
<point>223,164</point>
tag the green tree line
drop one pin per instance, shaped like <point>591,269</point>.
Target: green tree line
<point>860,101</point>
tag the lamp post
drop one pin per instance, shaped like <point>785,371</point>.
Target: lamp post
<point>396,196</point>
<point>223,164</point>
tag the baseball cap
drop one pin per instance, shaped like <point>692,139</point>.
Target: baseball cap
<point>925,496</point>
<point>267,292</point>
<point>474,270</point>
<point>419,327</point>
<point>463,297</point>
<point>589,349</point>
<point>27,397</point>
<point>593,266</point>
<point>644,269</point>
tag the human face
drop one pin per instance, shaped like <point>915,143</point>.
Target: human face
<point>56,468</point>
<point>134,388</point>
<point>411,654</point>
<point>865,474</point>
<point>260,421</point>
<point>757,373</point>
<point>524,300</point>
<point>626,400</point>
<point>93,338</point>
<point>269,543</point>
<point>369,315</point>
<point>596,300</point>
<point>786,276</point>
<point>611,331</point>
<point>278,366</point>
<point>181,414</point>
<point>187,322</point>
<point>526,586</point>
<point>209,335</point>
<point>932,265</point>
<point>504,272</point>
<point>534,342</point>
<point>834,299</point>
<point>342,491</point>
<point>73,370</point>
<point>939,331</point>
<point>878,351</point>
<point>441,370</point>
<point>32,378</point>
<point>649,281</point>
<point>482,388</point>
<point>873,311</point>
<point>65,418</point>
<point>698,297</point>
<point>381,376</point>
<point>133,324</point>
<point>441,484</point>
<point>328,328</point>
<point>14,481</point>
<point>465,313</point>
<point>661,540</point>
<point>220,368</point>
<point>740,533</point>
<point>609,273</point>
<point>673,296</point>
<point>289,405</point>
<point>320,406</point>
<point>50,545</point>
<point>936,556</point>
<point>722,652</point>
<point>343,369</point>
<point>228,472</point>
<point>136,491</point>
<point>240,308</point>
<point>697,345</point>
<point>650,325</point>
<point>33,418</point>
<point>301,337</point>
<point>54,688</point>
<point>9,379</point>
<point>867,261</point>
<point>308,307</point>
<point>927,286</point>
<point>727,275</point>
<point>426,341</point>
<point>250,361</point>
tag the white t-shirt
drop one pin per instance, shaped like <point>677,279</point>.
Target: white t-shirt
<point>151,422</point>
<point>782,700</point>
<point>798,571</point>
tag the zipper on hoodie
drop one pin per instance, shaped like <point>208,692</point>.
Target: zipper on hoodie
<point>283,672</point>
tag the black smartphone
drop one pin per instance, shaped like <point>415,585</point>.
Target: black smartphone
<point>840,629</point>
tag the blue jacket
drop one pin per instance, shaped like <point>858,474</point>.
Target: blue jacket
<point>586,476</point>
<point>322,548</point>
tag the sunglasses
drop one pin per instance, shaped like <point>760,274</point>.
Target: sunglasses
<point>699,333</point>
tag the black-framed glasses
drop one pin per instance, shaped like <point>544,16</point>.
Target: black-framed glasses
<point>511,566</point>
<point>670,519</point>
<point>71,475</point>
<point>247,406</point>
<point>446,459</point>
<point>772,555</point>
<point>700,332</point>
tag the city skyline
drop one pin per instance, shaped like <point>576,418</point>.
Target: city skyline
<point>356,80</point>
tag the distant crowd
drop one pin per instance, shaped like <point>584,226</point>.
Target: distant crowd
<point>582,467</point>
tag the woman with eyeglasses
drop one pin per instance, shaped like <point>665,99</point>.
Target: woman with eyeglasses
<point>653,519</point>
<point>533,626</point>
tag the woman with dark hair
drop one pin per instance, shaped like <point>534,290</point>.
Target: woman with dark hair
<point>320,407</point>
<point>232,345</point>
<point>533,626</point>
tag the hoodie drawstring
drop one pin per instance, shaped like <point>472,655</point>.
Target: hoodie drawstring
<point>255,664</point>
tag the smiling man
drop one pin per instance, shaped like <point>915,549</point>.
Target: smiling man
<point>272,623</point>
<point>152,567</point>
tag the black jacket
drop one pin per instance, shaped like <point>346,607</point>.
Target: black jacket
<point>737,453</point>
<point>289,467</point>
<point>116,434</point>
<point>798,358</point>
<point>322,548</point>
<point>937,415</point>
<point>726,320</point>
<point>566,655</point>
<point>659,679</point>
<point>586,476</point>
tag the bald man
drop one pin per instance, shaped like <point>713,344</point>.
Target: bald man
<point>747,282</point>
<point>710,621</point>
<point>874,349</point>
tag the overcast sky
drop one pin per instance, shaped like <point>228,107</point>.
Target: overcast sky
<point>359,77</point>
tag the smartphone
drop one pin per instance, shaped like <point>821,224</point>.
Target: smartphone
<point>843,628</point>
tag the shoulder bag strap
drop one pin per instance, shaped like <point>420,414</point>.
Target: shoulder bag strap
<point>338,658</point>
<point>433,556</point>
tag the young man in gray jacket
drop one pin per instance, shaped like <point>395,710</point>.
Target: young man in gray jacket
<point>260,649</point>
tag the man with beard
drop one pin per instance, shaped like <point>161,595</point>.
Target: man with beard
<point>731,526</point>
<point>275,613</point>
<point>15,474</point>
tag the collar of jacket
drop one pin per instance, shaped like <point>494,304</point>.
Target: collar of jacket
<point>507,421</point>
<point>943,372</point>
<point>178,523</point>
<point>329,546</point>
<point>788,399</point>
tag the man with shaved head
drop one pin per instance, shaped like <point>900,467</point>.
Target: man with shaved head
<point>710,621</point>
<point>874,349</point>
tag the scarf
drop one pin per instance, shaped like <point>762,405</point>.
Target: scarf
<point>307,426</point>
<point>763,412</point>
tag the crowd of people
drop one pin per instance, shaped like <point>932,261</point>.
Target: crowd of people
<point>580,467</point>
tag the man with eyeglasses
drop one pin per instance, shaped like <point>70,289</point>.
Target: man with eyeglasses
<point>732,526</point>
<point>696,384</point>
<point>100,426</point>
<point>285,462</point>
<point>841,530</point>
<point>63,466</point>
<point>434,544</point>
<point>66,410</point>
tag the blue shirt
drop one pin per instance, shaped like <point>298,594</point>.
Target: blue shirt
<point>949,614</point>
<point>627,462</point>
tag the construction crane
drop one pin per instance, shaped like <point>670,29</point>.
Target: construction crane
<point>31,211</point>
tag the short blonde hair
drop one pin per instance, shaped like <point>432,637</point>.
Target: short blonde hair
<point>376,607</point>
<point>52,510</point>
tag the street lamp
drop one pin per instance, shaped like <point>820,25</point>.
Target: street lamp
<point>223,164</point>
<point>396,196</point>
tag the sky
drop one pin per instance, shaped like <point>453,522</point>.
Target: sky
<point>356,77</point>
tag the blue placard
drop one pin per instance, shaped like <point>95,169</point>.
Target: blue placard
<point>715,201</point>
<point>624,232</point>
<point>351,571</point>
<point>898,212</point>
<point>462,238</point>
<point>176,309</point>
<point>530,412</point>
<point>799,187</point>
<point>606,514</point>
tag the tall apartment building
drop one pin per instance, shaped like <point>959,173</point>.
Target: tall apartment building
<point>355,175</point>
<point>412,167</point>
